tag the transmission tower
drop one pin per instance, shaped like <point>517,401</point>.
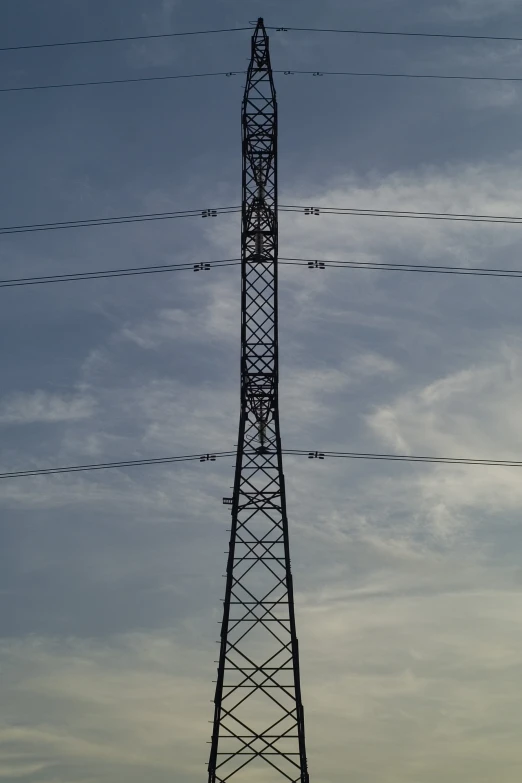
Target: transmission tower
<point>258,732</point>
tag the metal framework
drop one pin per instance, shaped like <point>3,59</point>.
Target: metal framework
<point>258,732</point>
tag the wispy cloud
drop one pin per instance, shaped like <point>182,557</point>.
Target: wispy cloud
<point>44,407</point>
<point>473,412</point>
<point>113,707</point>
<point>476,10</point>
<point>436,666</point>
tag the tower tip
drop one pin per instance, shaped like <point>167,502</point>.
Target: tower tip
<point>260,23</point>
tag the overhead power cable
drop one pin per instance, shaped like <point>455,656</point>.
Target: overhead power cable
<point>130,271</point>
<point>118,39</point>
<point>394,213</point>
<point>384,266</point>
<point>213,456</point>
<point>462,36</point>
<point>156,36</point>
<point>121,464</point>
<point>386,75</point>
<point>144,217</point>
<point>285,72</point>
<point>119,81</point>
<point>404,458</point>
<point>214,212</point>
<point>313,263</point>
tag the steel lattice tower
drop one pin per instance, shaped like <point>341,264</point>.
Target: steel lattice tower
<point>258,732</point>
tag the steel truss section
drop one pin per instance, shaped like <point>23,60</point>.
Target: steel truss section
<point>258,732</point>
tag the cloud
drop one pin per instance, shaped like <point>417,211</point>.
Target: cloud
<point>215,319</point>
<point>44,407</point>
<point>473,409</point>
<point>309,394</point>
<point>466,188</point>
<point>420,667</point>
<point>436,666</point>
<point>476,10</point>
<point>498,96</point>
<point>158,18</point>
<point>81,708</point>
<point>13,767</point>
<point>470,413</point>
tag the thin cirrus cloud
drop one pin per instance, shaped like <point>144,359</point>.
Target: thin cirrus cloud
<point>473,411</point>
<point>476,10</point>
<point>44,407</point>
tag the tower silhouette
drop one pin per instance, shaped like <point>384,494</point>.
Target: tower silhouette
<point>258,731</point>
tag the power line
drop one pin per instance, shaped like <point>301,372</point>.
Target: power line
<point>131,271</point>
<point>155,36</point>
<point>119,81</point>
<point>397,33</point>
<point>285,72</point>
<point>404,458</point>
<point>214,212</point>
<point>357,212</point>
<point>119,39</point>
<point>143,217</point>
<point>386,266</point>
<point>212,456</point>
<point>303,262</point>
<point>382,74</point>
<point>121,464</point>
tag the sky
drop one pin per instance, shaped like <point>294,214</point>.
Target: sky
<point>408,577</point>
